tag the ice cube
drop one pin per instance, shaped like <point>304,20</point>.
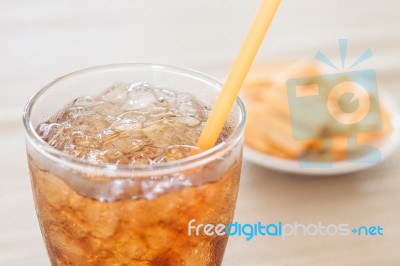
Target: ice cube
<point>139,96</point>
<point>157,113</point>
<point>166,98</point>
<point>46,131</point>
<point>128,144</point>
<point>152,152</point>
<point>185,120</point>
<point>128,124</point>
<point>107,135</point>
<point>84,101</point>
<point>131,120</point>
<point>80,139</point>
<point>116,94</point>
<point>177,152</point>
<point>113,155</point>
<point>192,134</point>
<point>187,105</point>
<point>52,133</point>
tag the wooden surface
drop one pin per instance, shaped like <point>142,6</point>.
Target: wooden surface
<point>41,40</point>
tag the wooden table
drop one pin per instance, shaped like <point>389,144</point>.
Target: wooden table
<point>42,40</point>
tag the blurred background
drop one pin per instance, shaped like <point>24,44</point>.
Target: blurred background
<point>41,40</point>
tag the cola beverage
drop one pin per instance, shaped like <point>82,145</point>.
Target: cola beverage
<point>114,177</point>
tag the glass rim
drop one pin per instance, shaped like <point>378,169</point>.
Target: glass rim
<point>173,166</point>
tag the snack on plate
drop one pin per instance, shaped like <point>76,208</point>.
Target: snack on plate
<point>269,127</point>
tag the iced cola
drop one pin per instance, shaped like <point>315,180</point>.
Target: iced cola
<point>114,182</point>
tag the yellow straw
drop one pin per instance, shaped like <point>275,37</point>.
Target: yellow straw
<point>237,74</point>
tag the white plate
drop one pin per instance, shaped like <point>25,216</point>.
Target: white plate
<point>386,147</point>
